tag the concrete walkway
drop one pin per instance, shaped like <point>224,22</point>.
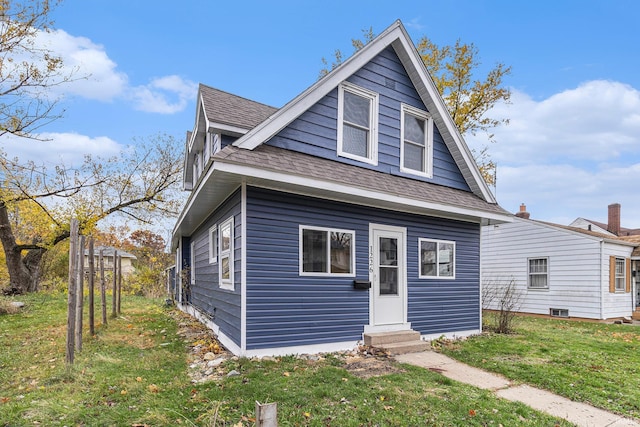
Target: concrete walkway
<point>580,414</point>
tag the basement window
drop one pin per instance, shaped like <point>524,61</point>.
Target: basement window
<point>559,312</point>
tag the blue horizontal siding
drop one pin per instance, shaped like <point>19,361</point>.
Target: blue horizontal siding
<point>315,131</point>
<point>286,309</point>
<point>224,306</point>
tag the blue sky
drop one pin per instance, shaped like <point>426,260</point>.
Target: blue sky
<point>572,147</point>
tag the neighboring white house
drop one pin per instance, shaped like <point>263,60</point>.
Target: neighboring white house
<point>561,270</point>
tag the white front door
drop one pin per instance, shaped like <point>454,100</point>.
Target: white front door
<point>388,276</point>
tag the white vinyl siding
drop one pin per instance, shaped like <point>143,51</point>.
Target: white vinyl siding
<point>326,252</point>
<point>578,268</point>
<point>357,123</point>
<point>416,142</point>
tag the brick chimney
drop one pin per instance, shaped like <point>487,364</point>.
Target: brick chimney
<point>523,212</point>
<point>613,225</point>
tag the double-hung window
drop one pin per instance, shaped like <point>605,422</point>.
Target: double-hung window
<point>225,255</point>
<point>213,244</point>
<point>538,273</point>
<point>437,259</point>
<point>416,148</point>
<point>357,123</point>
<point>621,280</point>
<point>325,251</point>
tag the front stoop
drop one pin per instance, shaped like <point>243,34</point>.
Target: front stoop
<point>636,314</point>
<point>397,342</point>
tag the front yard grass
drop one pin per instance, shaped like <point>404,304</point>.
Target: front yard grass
<point>134,372</point>
<point>587,362</point>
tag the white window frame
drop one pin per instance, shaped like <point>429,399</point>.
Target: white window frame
<point>222,254</point>
<point>437,275</point>
<point>213,244</point>
<point>328,272</point>
<point>529,274</point>
<point>621,278</point>
<point>428,143</point>
<point>372,143</point>
<point>192,262</point>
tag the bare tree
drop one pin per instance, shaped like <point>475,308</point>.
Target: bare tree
<point>141,184</point>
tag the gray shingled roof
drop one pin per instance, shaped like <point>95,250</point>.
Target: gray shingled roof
<point>228,109</point>
<point>292,162</point>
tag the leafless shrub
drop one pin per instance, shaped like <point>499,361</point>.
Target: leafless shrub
<point>502,299</point>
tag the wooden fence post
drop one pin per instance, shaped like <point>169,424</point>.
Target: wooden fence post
<point>92,325</point>
<point>266,414</point>
<point>103,290</point>
<point>79,293</point>
<point>71,300</point>
<point>119,281</point>
<point>115,286</point>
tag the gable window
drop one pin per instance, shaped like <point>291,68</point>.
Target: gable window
<point>213,244</point>
<point>437,259</point>
<point>225,248</point>
<point>357,123</point>
<point>416,133</point>
<point>538,273</point>
<point>192,262</point>
<point>325,251</point>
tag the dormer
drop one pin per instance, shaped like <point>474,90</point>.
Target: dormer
<point>221,118</point>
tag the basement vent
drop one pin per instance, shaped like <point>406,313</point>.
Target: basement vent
<point>558,312</point>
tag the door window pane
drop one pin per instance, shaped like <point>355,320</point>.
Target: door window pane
<point>388,280</point>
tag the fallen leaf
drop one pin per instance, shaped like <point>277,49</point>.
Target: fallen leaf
<point>4,399</point>
<point>153,388</point>
<point>382,398</point>
<point>123,392</point>
<point>286,374</point>
<point>307,415</point>
<point>345,379</point>
<point>472,412</point>
<point>139,379</point>
<point>387,407</point>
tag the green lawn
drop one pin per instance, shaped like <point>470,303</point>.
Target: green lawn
<point>587,362</point>
<point>134,373</point>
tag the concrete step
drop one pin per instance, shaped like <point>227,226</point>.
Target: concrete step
<point>407,347</point>
<point>636,314</point>
<point>379,339</point>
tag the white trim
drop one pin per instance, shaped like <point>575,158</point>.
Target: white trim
<point>213,244</point>
<point>372,140</point>
<point>227,284</point>
<point>243,267</point>
<point>534,288</point>
<point>328,273</point>
<point>428,143</point>
<point>303,349</point>
<point>192,262</point>
<point>437,242</point>
<point>179,270</point>
<point>370,329</point>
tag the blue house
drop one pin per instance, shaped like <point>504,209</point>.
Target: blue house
<point>354,209</point>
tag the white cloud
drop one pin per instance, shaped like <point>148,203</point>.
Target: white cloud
<point>60,148</point>
<point>165,95</point>
<point>597,121</point>
<point>570,155</point>
<point>96,76</point>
